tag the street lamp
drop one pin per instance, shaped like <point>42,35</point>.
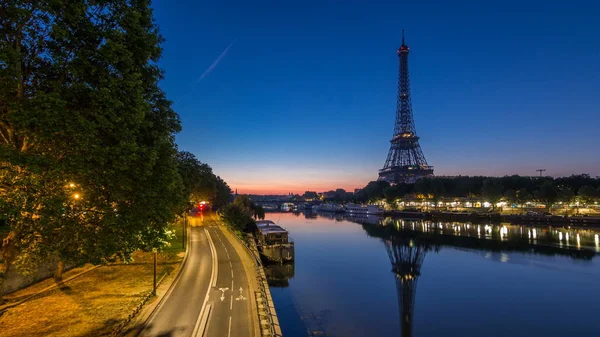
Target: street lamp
<point>154,283</point>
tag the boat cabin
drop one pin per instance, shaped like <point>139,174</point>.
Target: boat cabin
<point>270,234</point>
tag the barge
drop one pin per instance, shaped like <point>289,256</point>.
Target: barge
<point>273,242</point>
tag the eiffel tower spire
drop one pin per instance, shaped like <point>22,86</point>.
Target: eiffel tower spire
<point>405,161</point>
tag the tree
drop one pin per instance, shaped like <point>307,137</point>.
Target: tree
<point>200,183</point>
<point>511,196</point>
<point>236,216</point>
<point>523,196</point>
<point>88,163</point>
<point>223,195</point>
<point>492,191</point>
<point>547,193</point>
<point>587,194</point>
<point>565,195</point>
<point>437,189</point>
<point>259,212</point>
<point>310,195</point>
<point>245,202</point>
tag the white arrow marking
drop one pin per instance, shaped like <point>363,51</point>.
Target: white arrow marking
<point>223,290</point>
<point>241,297</point>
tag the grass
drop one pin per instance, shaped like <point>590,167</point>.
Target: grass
<point>92,304</point>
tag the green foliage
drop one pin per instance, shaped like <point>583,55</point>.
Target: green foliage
<point>236,216</point>
<point>373,191</point>
<point>588,194</point>
<point>244,202</point>
<point>259,212</point>
<point>310,195</point>
<point>200,183</point>
<point>492,191</point>
<point>80,103</point>
<point>513,189</point>
<point>547,193</point>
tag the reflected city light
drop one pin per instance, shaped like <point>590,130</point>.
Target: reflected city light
<point>534,233</point>
<point>560,236</point>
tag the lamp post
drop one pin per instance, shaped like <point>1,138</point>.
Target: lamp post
<point>184,230</point>
<point>154,283</point>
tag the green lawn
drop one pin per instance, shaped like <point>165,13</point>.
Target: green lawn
<point>94,303</point>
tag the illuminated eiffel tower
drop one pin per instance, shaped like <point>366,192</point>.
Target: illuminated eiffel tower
<point>405,162</point>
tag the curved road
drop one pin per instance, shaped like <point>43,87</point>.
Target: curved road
<point>211,295</point>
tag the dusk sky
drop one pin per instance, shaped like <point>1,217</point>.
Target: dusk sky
<point>289,96</point>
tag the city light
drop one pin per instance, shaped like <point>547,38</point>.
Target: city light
<point>77,196</point>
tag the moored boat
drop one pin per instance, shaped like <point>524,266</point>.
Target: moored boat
<point>364,209</point>
<point>273,241</point>
<point>329,208</point>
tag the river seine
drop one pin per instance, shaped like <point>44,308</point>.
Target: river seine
<point>370,276</point>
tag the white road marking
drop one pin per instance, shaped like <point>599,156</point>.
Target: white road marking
<point>229,333</point>
<point>205,311</point>
<point>231,303</point>
<point>223,290</point>
<point>241,297</point>
<point>213,250</point>
<point>200,326</point>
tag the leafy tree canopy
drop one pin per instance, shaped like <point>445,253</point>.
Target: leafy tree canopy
<point>88,165</point>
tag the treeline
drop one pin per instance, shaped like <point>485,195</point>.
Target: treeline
<point>89,171</point>
<point>512,189</point>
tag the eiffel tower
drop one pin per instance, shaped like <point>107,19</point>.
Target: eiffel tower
<point>405,162</point>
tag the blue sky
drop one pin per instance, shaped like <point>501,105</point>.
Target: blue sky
<point>304,98</point>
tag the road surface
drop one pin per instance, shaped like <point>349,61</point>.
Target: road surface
<point>211,296</point>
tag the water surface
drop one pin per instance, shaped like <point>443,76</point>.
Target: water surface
<point>384,277</point>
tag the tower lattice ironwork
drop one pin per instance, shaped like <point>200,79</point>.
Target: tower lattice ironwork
<point>405,161</point>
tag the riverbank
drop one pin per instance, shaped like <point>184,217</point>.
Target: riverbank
<point>532,218</point>
<point>94,303</point>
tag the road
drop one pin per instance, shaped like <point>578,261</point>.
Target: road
<point>210,297</point>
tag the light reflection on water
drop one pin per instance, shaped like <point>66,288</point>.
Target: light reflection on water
<point>352,279</point>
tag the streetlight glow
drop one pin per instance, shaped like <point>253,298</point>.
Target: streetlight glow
<point>76,196</point>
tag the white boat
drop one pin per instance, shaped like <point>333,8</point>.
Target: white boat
<point>363,209</point>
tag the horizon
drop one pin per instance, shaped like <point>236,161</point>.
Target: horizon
<point>305,99</point>
<point>236,191</point>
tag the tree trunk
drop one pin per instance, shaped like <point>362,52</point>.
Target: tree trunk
<point>4,267</point>
<point>58,274</point>
<point>6,255</point>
